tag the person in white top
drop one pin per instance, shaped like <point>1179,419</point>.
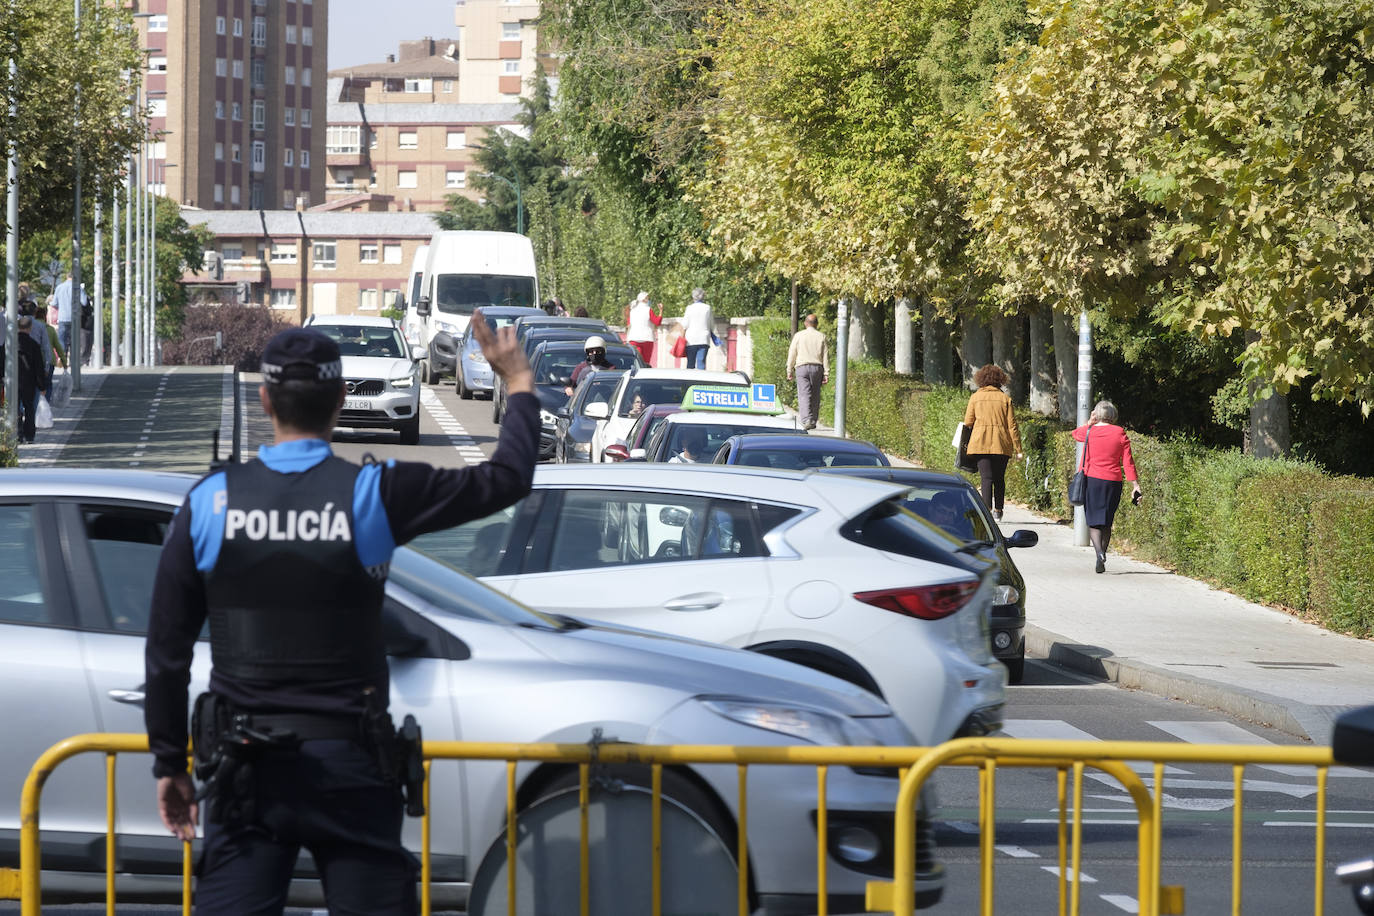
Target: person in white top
<point>697,328</point>
<point>640,322</point>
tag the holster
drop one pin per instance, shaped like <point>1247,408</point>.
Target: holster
<point>399,754</point>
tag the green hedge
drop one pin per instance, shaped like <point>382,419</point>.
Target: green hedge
<point>9,449</point>
<point>1275,531</point>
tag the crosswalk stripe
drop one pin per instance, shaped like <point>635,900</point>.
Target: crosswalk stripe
<point>1059,730</point>
<point>458,437</point>
<point>1218,732</point>
<point>1122,902</point>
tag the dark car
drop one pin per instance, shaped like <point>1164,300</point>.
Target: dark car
<point>800,452</point>
<point>472,375</point>
<point>951,503</point>
<point>573,431</point>
<point>650,420</point>
<point>588,325</point>
<point>531,337</point>
<point>553,365</point>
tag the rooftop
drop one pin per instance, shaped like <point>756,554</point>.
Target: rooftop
<point>293,223</point>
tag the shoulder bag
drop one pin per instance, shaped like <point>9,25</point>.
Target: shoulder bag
<point>1078,484</point>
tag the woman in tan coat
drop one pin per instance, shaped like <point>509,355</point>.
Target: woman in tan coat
<point>995,437</point>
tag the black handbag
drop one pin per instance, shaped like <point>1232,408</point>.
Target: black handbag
<point>1078,484</point>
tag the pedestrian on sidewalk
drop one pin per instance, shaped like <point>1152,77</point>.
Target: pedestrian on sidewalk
<point>1106,455</point>
<point>809,360</point>
<point>995,437</point>
<point>62,299</point>
<point>31,377</point>
<point>698,327</point>
<point>53,351</point>
<point>640,325</point>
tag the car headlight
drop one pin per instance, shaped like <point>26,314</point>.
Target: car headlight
<point>475,356</point>
<point>547,418</point>
<point>582,448</point>
<point>799,722</point>
<point>403,382</point>
<point>448,326</point>
<point>1005,594</point>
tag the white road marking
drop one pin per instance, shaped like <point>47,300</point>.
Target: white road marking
<point>1084,876</point>
<point>1105,820</point>
<point>1217,732</point>
<point>1314,823</point>
<point>1122,902</point>
<point>1059,730</point>
<point>458,437</point>
<point>1017,852</point>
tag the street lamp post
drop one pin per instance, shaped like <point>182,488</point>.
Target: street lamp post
<point>519,200</point>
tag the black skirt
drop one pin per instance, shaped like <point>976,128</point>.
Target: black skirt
<point>1101,501</point>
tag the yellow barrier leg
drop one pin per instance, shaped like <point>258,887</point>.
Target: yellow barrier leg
<point>584,799</point>
<point>510,837</point>
<point>657,833</point>
<point>1063,782</point>
<point>426,837</point>
<point>1077,836</point>
<point>743,840</point>
<point>822,842</point>
<point>1318,905</point>
<point>1237,840</point>
<point>1156,876</point>
<point>987,831</point>
<point>109,834</point>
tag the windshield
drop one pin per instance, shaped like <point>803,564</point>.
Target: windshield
<point>954,510</point>
<point>356,340</point>
<point>449,590</point>
<point>459,294</point>
<point>803,459</point>
<point>599,388</point>
<point>707,438</point>
<point>659,391</point>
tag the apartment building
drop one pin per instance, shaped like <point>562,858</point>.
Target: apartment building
<point>311,262</point>
<point>236,91</point>
<point>498,48</point>
<point>398,136</point>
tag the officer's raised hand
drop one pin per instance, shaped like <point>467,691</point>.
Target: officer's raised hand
<point>176,804</point>
<point>504,354</point>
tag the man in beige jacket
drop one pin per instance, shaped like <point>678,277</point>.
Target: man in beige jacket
<point>809,361</point>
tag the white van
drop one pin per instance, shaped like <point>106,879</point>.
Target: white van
<point>465,271</point>
<point>412,325</point>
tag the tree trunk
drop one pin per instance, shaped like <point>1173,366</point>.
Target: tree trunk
<point>1267,435</point>
<point>1042,375</point>
<point>937,357</point>
<point>975,348</point>
<point>1008,352</point>
<point>1066,366</point>
<point>865,334</point>
<point>857,345</point>
<point>903,350</point>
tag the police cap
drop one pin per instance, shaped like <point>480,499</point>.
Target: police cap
<point>301,354</point>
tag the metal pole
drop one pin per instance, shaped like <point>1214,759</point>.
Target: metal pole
<point>73,315</point>
<point>152,273</point>
<point>841,364</point>
<point>12,262</point>
<point>138,256</point>
<point>98,327</point>
<point>114,279</point>
<point>1085,398</point>
<point>128,328</point>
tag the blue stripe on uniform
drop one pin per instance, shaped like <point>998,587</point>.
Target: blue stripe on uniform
<point>372,535</point>
<point>207,501</point>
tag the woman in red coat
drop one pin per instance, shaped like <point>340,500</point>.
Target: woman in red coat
<point>1106,455</point>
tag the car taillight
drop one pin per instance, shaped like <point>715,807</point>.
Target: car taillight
<point>928,602</point>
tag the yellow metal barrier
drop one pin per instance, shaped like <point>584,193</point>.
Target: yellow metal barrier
<point>915,764</point>
<point>1110,757</point>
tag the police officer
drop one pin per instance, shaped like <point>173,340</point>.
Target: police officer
<point>287,556</point>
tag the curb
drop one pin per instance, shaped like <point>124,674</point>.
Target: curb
<point>1292,718</point>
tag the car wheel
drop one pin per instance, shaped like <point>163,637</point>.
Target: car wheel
<point>426,374</point>
<point>464,391</point>
<point>495,409</point>
<point>698,875</point>
<point>410,431</point>
<point>1016,667</point>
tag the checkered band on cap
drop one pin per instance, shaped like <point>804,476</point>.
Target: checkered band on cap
<point>301,354</point>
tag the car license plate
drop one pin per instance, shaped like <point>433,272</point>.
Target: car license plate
<point>357,404</point>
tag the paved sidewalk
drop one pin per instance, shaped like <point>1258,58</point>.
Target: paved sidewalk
<point>48,443</point>
<point>1143,626</point>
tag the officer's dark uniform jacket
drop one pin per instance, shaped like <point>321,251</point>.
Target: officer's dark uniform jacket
<point>288,555</point>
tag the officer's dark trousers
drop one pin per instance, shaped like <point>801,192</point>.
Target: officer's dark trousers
<point>329,798</point>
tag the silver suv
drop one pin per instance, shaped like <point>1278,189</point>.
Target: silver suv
<point>381,374</point>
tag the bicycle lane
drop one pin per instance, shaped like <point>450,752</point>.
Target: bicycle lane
<point>161,418</point>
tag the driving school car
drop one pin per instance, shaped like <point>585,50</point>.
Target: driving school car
<point>713,414</point>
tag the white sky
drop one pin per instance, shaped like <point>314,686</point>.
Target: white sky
<point>366,31</point>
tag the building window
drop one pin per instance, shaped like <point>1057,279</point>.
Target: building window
<point>231,252</point>
<point>305,117</point>
<point>391,254</point>
<point>238,28</point>
<point>448,85</point>
<point>342,139</point>
<point>406,179</point>
<point>290,116</point>
<point>367,252</point>
<point>259,114</point>
<point>219,193</point>
<point>511,67</point>
<point>157,108</point>
<point>510,31</point>
<point>221,69</point>
<point>157,23</point>
<point>326,255</point>
<point>305,76</point>
<point>238,69</point>
<point>419,85</point>
<point>157,65</point>
<point>390,298</point>
<point>255,195</point>
<point>283,299</point>
<point>234,198</point>
<point>219,25</point>
<point>343,178</point>
<point>219,110</point>
<point>372,136</point>
<point>219,152</point>
<point>455,179</point>
<point>408,139</point>
<point>457,139</point>
<point>367,300</point>
<point>307,35</point>
<point>305,158</point>
<point>259,31</point>
<point>290,76</point>
<point>283,252</point>
<point>290,34</point>
<point>289,156</point>
<point>236,111</point>
<point>236,153</point>
<point>259,155</point>
<point>259,72</point>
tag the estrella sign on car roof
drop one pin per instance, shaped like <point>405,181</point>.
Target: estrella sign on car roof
<point>760,399</point>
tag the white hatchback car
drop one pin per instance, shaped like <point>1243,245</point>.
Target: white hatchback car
<point>653,386</point>
<point>828,571</point>
<point>381,374</point>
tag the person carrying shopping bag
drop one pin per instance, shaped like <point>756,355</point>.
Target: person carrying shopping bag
<point>995,436</point>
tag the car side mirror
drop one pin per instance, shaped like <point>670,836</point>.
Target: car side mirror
<point>417,354</point>
<point>617,452</point>
<point>1352,738</point>
<point>637,454</point>
<point>598,411</point>
<point>672,516</point>
<point>422,305</point>
<point>1022,538</point>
